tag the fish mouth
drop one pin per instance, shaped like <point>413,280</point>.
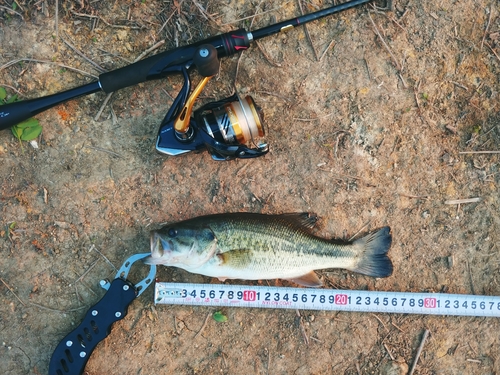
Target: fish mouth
<point>158,246</point>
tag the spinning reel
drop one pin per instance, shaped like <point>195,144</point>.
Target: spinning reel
<point>229,128</point>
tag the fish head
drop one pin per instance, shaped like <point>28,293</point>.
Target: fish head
<point>182,246</point>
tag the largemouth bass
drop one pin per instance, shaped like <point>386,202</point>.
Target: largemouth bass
<point>256,247</point>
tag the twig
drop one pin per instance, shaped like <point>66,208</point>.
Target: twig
<point>150,49</point>
<point>354,235</point>
<point>101,254</point>
<point>86,272</point>
<point>15,295</point>
<point>459,85</point>
<point>169,17</point>
<point>57,25</point>
<point>255,15</point>
<point>314,119</point>
<point>461,201</point>
<point>492,50</point>
<point>419,351</point>
<point>106,22</point>
<point>13,62</point>
<point>470,279</point>
<point>473,360</point>
<point>56,310</point>
<point>268,361</point>
<point>486,29</point>
<point>202,327</point>
<point>479,152</point>
<point>327,48</point>
<point>103,105</point>
<point>11,87</point>
<point>388,351</point>
<point>237,72</point>
<point>115,55</point>
<point>414,196</point>
<point>12,10</point>
<point>269,60</point>
<point>175,325</point>
<point>380,321</point>
<point>285,99</point>
<point>241,54</point>
<point>203,11</point>
<point>81,54</point>
<point>398,328</point>
<point>19,4</point>
<point>302,329</point>
<point>396,63</point>
<point>307,32</point>
<point>104,150</point>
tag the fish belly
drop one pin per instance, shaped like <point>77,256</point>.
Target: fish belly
<point>272,264</point>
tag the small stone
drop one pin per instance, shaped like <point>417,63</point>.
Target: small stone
<point>396,367</point>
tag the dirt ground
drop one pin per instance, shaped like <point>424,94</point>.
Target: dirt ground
<point>368,121</point>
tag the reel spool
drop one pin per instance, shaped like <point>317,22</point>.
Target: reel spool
<point>235,122</point>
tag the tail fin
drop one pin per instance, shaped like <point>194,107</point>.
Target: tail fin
<point>373,259</point>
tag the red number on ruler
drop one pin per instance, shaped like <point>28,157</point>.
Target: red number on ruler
<point>249,295</point>
<point>341,299</point>
<point>430,303</point>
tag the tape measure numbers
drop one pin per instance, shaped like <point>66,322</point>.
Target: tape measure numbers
<point>218,295</point>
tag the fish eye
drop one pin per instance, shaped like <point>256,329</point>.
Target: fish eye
<point>172,232</point>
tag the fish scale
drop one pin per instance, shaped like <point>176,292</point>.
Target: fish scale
<point>274,244</point>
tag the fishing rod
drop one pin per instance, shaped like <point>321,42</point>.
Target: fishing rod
<point>229,128</point>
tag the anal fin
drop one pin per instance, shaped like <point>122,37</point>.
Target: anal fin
<point>309,279</point>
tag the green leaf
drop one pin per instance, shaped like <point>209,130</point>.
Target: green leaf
<point>29,123</point>
<point>219,317</point>
<point>27,130</point>
<point>17,132</point>
<point>12,99</point>
<point>14,5</point>
<point>31,133</point>
<point>3,93</point>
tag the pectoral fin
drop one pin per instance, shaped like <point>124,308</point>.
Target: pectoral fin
<point>309,279</point>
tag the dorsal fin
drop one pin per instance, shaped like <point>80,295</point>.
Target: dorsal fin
<point>304,220</point>
<point>309,279</point>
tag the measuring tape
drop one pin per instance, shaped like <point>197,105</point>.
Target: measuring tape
<point>219,295</point>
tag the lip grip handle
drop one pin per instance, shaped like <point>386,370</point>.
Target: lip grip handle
<point>73,352</point>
